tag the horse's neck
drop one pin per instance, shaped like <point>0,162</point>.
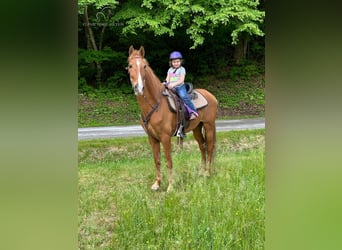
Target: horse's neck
<point>153,87</point>
<point>152,93</point>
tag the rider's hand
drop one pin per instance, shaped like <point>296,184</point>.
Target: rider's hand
<point>167,85</point>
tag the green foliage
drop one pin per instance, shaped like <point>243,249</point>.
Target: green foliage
<point>83,86</point>
<point>257,97</point>
<point>204,31</point>
<point>107,54</point>
<point>98,4</point>
<point>244,72</point>
<point>241,89</point>
<point>199,17</point>
<point>104,107</point>
<point>110,60</point>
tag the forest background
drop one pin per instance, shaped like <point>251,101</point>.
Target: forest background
<point>222,43</point>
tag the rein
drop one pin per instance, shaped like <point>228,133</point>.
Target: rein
<point>149,115</point>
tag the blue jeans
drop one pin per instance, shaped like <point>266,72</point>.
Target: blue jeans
<point>181,91</point>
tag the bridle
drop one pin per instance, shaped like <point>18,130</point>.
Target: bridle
<point>154,107</point>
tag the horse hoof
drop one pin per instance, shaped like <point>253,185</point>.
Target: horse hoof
<point>169,189</point>
<point>155,187</point>
<point>204,173</point>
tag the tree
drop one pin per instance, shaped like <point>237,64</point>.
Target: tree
<point>104,11</point>
<point>200,17</point>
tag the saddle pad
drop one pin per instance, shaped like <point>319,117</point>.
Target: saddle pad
<point>199,101</point>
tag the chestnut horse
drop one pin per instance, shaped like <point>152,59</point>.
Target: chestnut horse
<point>160,123</point>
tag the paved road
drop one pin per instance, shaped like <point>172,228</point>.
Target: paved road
<point>137,130</point>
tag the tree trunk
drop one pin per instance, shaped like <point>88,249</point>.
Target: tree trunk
<point>91,44</point>
<point>101,37</point>
<point>241,50</point>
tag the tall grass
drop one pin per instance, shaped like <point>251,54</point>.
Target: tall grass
<point>117,209</point>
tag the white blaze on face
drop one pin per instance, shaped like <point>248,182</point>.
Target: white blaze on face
<point>140,87</point>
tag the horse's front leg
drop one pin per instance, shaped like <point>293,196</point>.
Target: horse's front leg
<point>156,155</point>
<point>166,141</point>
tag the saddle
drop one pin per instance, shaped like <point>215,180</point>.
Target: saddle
<point>177,106</point>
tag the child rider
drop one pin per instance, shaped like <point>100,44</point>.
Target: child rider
<point>175,79</point>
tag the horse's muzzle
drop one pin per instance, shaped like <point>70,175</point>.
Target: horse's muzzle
<point>137,90</point>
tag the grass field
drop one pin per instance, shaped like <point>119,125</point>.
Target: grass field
<point>117,209</point>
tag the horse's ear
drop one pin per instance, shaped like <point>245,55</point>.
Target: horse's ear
<point>142,51</point>
<point>130,51</point>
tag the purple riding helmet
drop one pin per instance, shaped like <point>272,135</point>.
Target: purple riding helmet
<point>176,55</point>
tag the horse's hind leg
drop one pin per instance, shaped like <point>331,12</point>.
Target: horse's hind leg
<point>210,139</point>
<point>156,155</point>
<point>197,132</point>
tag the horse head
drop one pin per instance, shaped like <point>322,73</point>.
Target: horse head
<point>137,69</point>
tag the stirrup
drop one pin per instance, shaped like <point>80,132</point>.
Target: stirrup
<point>180,132</point>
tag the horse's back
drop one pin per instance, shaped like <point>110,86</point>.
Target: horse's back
<point>208,113</point>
